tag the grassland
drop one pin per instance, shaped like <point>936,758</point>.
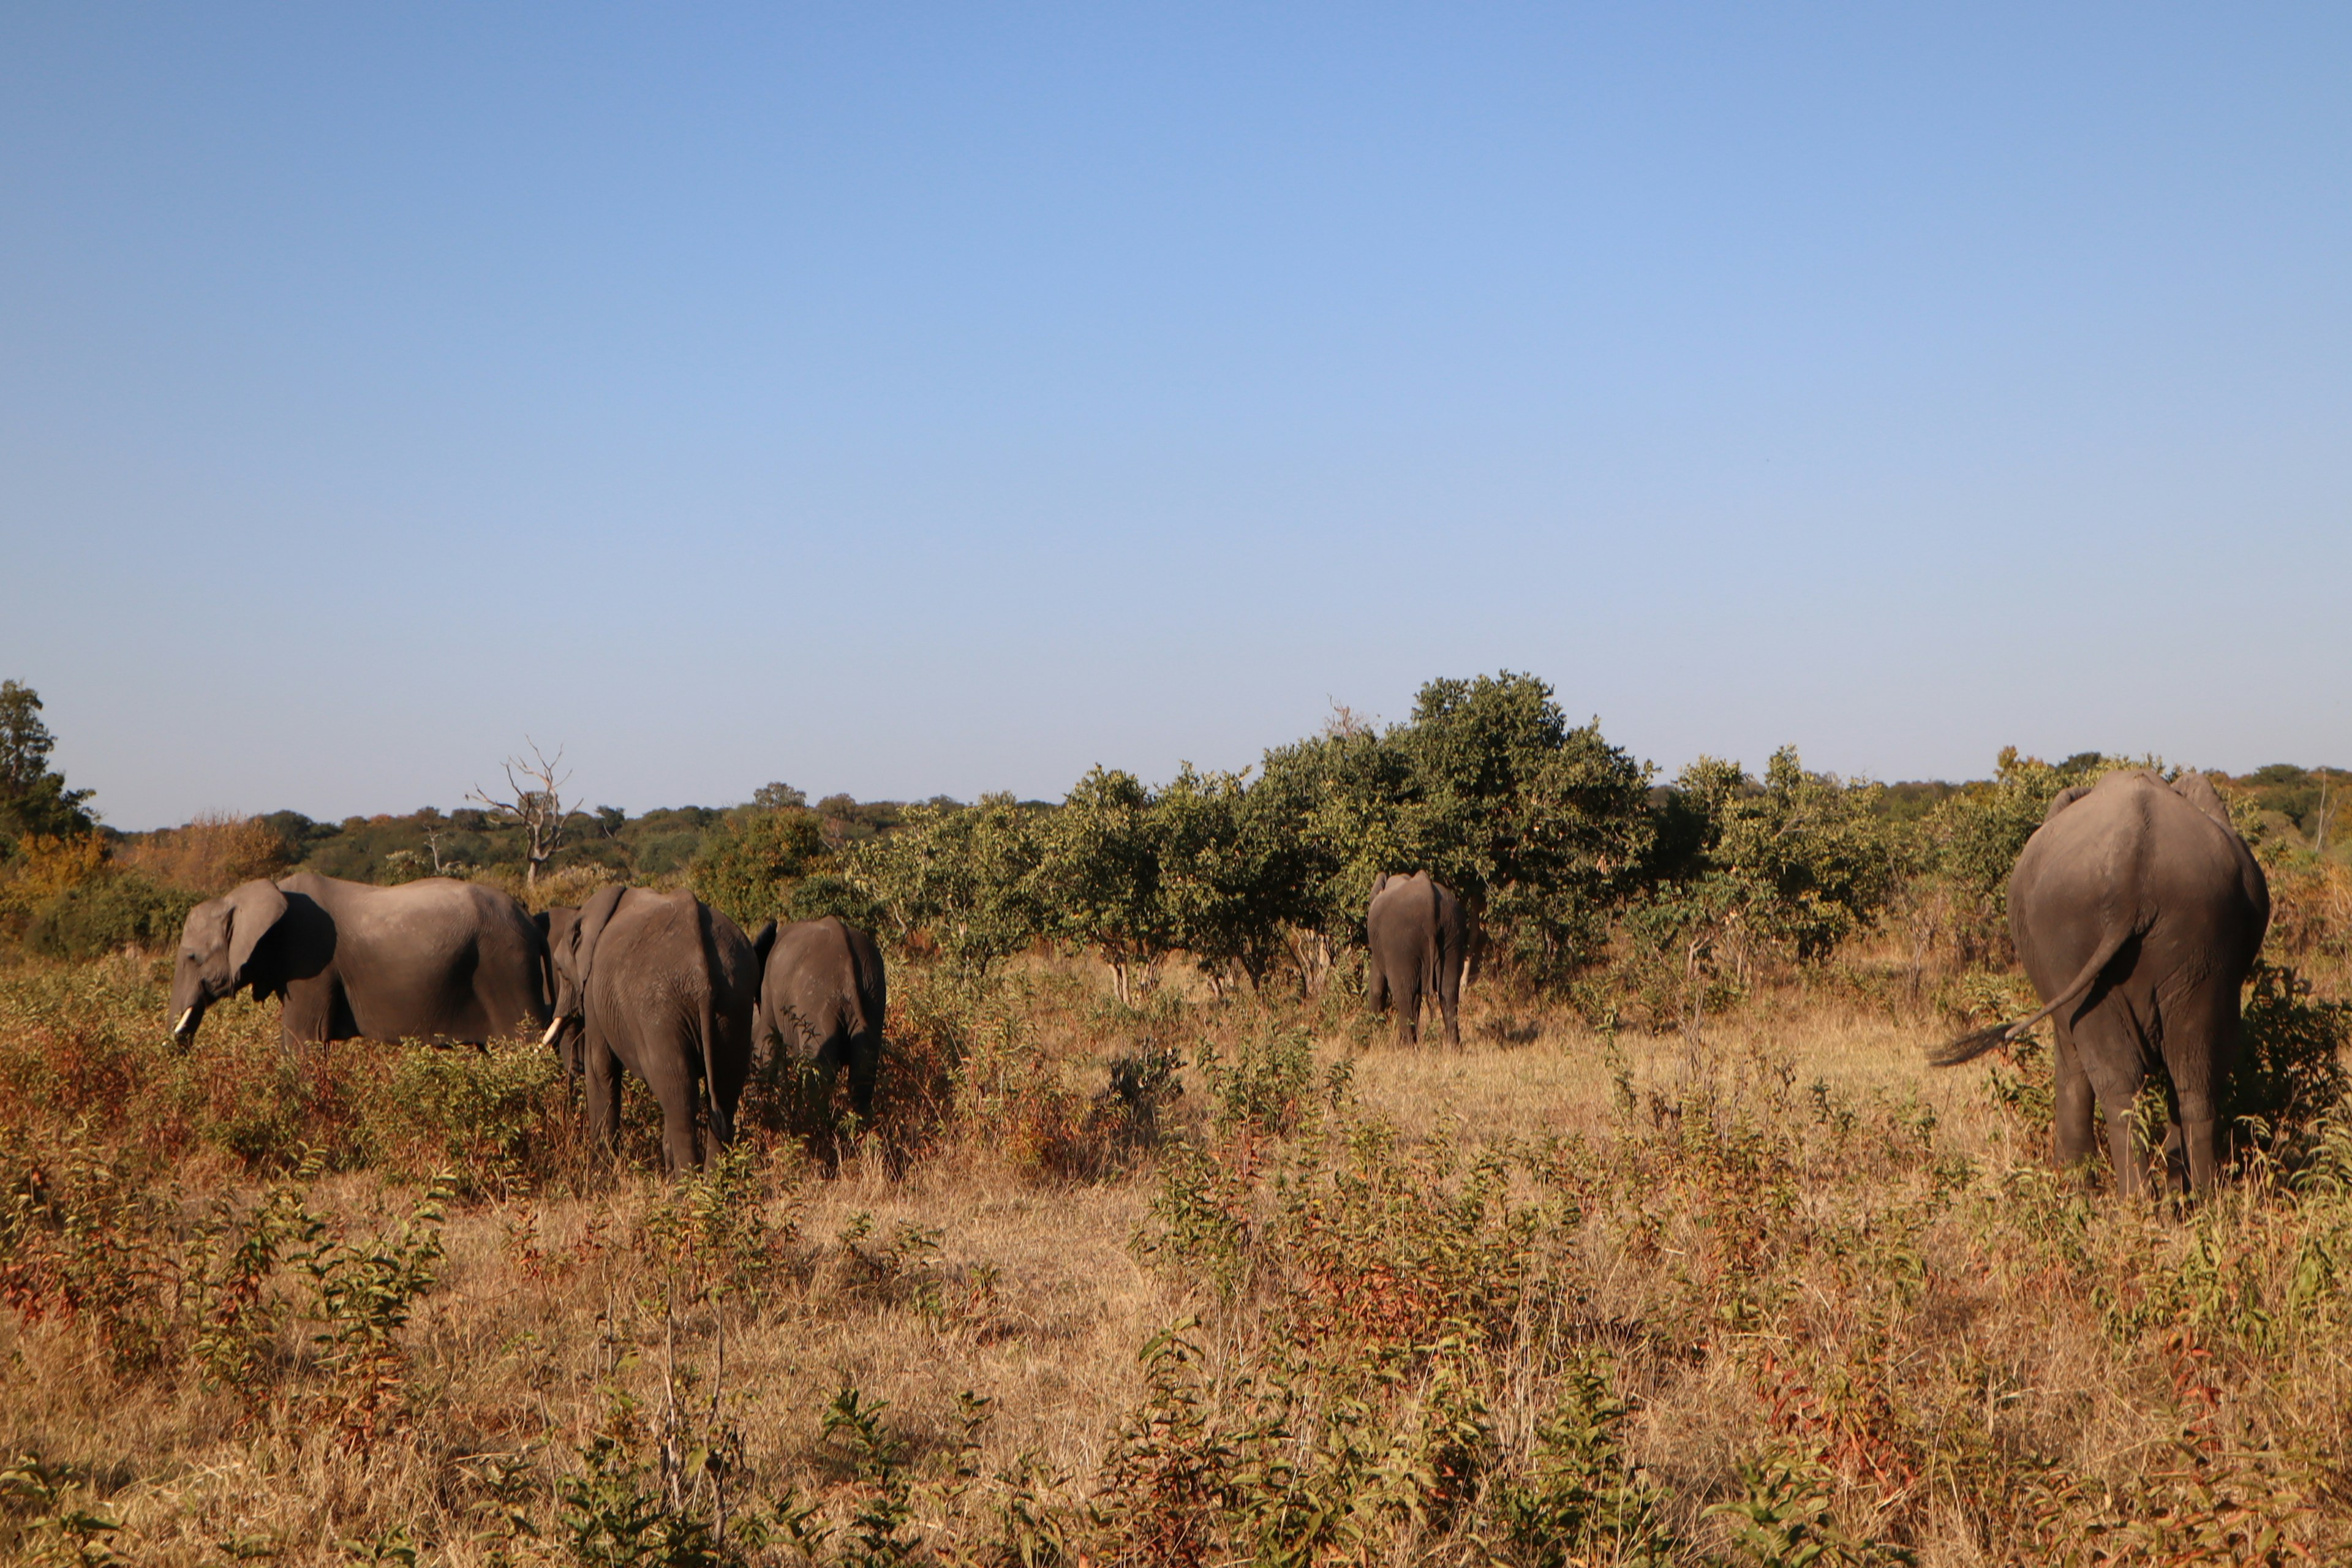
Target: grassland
<point>1192,1282</point>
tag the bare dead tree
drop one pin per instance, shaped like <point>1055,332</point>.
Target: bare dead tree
<point>536,805</point>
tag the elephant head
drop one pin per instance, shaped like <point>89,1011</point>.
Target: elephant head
<point>572,951</point>
<point>217,950</point>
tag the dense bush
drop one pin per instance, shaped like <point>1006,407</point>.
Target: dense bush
<point>747,869</point>
<point>113,909</point>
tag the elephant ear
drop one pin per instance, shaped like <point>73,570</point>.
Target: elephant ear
<point>253,910</point>
<point>1379,882</point>
<point>2064,798</point>
<point>2199,791</point>
<point>593,916</point>
<point>765,940</point>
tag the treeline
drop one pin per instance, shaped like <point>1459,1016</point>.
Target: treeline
<point>1582,867</point>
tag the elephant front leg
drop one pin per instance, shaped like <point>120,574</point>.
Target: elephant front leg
<point>603,1072</point>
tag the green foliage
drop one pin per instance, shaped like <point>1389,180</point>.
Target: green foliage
<point>830,893</point>
<point>617,1514</point>
<point>1580,1499</point>
<point>33,799</point>
<point>747,869</point>
<point>1813,853</point>
<point>1266,1088</point>
<point>1098,875</point>
<point>1228,874</point>
<point>964,877</point>
<point>1973,838</point>
<point>115,909</point>
<point>2290,1069</point>
<point>1783,1520</point>
<point>64,1533</point>
<point>1539,827</point>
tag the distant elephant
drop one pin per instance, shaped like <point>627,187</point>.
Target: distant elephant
<point>665,985</point>
<point>1417,940</point>
<point>822,997</point>
<point>434,959</point>
<point>2138,912</point>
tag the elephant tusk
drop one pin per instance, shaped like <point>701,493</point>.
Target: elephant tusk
<point>186,1026</point>
<point>552,1030</point>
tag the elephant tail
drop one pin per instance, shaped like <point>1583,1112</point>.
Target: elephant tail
<point>1967,1047</point>
<point>723,1125</point>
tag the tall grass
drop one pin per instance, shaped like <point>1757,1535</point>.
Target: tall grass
<point>1185,1281</point>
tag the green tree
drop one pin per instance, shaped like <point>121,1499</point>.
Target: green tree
<point>33,798</point>
<point>1816,852</point>
<point>1098,875</point>
<point>1229,874</point>
<point>1972,840</point>
<point>748,868</point>
<point>1541,828</point>
<point>963,877</point>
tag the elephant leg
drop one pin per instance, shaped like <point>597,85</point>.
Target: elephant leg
<point>2076,1105</point>
<point>2200,1049</point>
<point>1449,998</point>
<point>864,1067</point>
<point>2122,1145</point>
<point>681,1150</point>
<point>604,1093</point>
<point>1407,1012</point>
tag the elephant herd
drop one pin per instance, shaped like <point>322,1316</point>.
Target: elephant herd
<point>2137,909</point>
<point>658,983</point>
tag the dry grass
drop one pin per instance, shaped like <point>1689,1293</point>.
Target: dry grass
<point>1828,1286</point>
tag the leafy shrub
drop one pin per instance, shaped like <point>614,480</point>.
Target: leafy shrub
<point>113,909</point>
<point>2290,1069</point>
<point>746,870</point>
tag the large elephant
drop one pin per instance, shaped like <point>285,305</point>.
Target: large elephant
<point>2138,912</point>
<point>821,996</point>
<point>435,960</point>
<point>1417,940</point>
<point>665,985</point>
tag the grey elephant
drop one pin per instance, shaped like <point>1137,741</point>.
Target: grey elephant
<point>2138,912</point>
<point>1417,940</point>
<point>436,960</point>
<point>555,925</point>
<point>666,987</point>
<point>823,993</point>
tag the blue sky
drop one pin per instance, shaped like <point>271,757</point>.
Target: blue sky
<point>906,400</point>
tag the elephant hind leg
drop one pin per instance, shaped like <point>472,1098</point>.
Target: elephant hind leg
<point>2076,1136</point>
<point>1408,1011</point>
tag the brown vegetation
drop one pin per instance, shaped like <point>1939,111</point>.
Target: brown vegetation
<point>1186,1281</point>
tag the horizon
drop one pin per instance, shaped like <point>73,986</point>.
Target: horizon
<point>921,402</point>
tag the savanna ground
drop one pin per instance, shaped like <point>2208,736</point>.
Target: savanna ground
<point>1192,1281</point>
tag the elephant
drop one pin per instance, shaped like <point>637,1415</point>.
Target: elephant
<point>665,985</point>
<point>555,925</point>
<point>1417,938</point>
<point>437,960</point>
<point>821,996</point>
<point>2138,912</point>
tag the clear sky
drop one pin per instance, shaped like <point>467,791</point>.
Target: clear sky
<point>906,400</point>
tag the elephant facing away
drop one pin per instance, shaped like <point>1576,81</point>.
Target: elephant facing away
<point>435,960</point>
<point>822,999</point>
<point>1417,938</point>
<point>2138,912</point>
<point>666,987</point>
